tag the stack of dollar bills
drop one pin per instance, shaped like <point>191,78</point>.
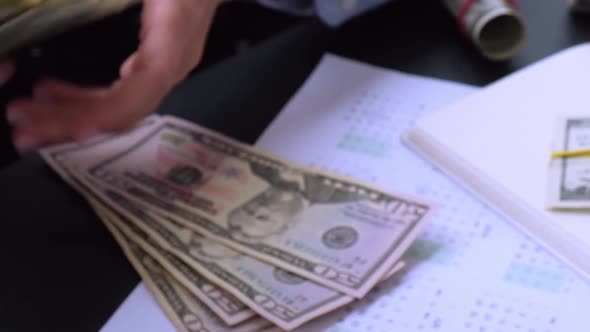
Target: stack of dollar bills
<point>568,183</point>
<point>231,238</point>
<point>23,22</point>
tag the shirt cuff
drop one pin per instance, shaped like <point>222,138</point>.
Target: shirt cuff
<point>332,12</point>
<point>337,12</point>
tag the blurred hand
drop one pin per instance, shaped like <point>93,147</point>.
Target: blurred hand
<point>172,38</point>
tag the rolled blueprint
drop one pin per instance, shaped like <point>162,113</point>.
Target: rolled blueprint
<point>494,26</point>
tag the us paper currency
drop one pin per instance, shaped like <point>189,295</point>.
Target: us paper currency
<point>569,174</point>
<point>297,303</point>
<point>494,26</point>
<point>46,18</point>
<point>147,267</point>
<point>225,305</point>
<point>185,311</point>
<point>57,156</point>
<point>335,231</point>
<point>283,298</point>
<point>12,8</point>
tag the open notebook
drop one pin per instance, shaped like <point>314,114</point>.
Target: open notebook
<point>497,142</point>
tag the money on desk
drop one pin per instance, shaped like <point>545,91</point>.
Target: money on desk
<point>569,169</point>
<point>23,22</point>
<point>231,238</point>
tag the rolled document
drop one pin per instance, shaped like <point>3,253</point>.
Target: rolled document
<point>494,26</point>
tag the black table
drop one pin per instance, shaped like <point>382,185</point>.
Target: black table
<point>61,269</point>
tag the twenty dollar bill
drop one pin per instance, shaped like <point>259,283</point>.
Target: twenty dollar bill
<point>338,232</point>
<point>185,311</point>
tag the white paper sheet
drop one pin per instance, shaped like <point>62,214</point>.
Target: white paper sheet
<point>506,160</point>
<point>470,271</point>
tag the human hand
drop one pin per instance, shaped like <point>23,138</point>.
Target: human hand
<point>172,38</point>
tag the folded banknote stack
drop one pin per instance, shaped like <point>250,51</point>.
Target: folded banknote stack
<point>23,22</point>
<point>230,238</point>
<point>568,185</point>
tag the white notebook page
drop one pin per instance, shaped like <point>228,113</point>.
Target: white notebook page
<point>469,271</point>
<point>505,134</point>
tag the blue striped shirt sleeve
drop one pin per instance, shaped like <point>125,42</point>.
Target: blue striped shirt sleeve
<point>332,12</point>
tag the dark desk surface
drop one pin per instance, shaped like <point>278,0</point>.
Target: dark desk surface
<point>61,269</point>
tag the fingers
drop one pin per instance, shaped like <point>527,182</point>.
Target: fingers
<point>128,66</point>
<point>33,124</point>
<point>57,90</point>
<point>59,111</point>
<point>172,38</point>
<point>66,113</point>
<point>7,70</point>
